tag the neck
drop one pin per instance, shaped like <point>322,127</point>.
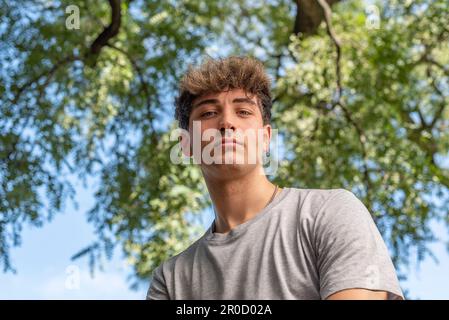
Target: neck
<point>238,200</point>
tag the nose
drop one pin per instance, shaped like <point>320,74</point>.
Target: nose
<point>225,129</point>
<point>226,122</point>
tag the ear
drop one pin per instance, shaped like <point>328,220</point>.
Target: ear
<point>184,139</point>
<point>266,137</point>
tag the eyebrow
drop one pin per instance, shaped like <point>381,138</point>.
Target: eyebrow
<point>215,101</point>
<point>207,101</point>
<point>244,100</point>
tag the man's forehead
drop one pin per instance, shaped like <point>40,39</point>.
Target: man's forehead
<point>233,93</point>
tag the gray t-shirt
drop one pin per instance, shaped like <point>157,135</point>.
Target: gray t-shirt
<point>306,244</point>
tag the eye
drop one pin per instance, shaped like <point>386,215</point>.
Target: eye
<point>207,114</point>
<point>245,112</point>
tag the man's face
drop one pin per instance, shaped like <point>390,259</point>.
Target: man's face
<point>230,122</point>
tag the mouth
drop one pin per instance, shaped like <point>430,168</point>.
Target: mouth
<point>228,142</point>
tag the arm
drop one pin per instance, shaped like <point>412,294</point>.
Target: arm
<point>352,258</point>
<point>358,294</point>
<point>158,289</point>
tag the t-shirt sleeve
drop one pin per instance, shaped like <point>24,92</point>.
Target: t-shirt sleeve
<point>350,250</point>
<point>158,289</point>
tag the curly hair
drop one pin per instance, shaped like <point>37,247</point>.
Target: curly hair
<point>218,75</point>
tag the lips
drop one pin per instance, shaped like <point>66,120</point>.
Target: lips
<point>228,141</point>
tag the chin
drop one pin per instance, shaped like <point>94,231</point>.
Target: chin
<point>228,171</point>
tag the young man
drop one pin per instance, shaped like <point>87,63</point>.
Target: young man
<point>265,242</point>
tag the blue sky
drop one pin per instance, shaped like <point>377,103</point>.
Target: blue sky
<point>44,266</point>
<point>430,280</point>
<point>43,261</point>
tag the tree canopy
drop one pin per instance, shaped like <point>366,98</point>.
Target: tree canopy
<point>361,90</point>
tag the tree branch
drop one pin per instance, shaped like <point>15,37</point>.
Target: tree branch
<point>338,100</point>
<point>442,105</point>
<point>109,32</point>
<point>48,73</point>
<point>309,16</point>
<point>330,30</point>
<point>437,64</point>
<point>142,81</point>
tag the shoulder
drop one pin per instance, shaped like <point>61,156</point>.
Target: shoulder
<point>312,202</point>
<point>341,204</point>
<point>185,257</point>
<point>320,210</point>
<point>162,279</point>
